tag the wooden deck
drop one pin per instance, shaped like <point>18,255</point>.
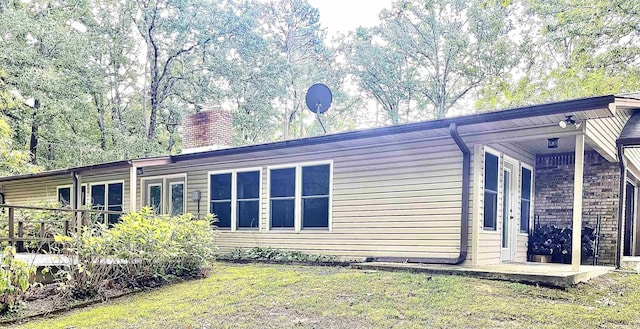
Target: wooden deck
<point>545,274</point>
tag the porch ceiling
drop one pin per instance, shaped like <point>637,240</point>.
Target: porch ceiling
<point>566,144</point>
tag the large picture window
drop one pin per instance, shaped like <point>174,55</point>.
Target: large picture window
<point>235,198</point>
<point>300,196</point>
<point>490,191</point>
<point>525,201</point>
<point>220,194</point>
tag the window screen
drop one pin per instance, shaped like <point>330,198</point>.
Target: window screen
<point>525,201</point>
<point>220,203</point>
<point>155,198</point>
<point>490,191</point>
<point>114,199</point>
<point>248,199</point>
<point>282,197</point>
<point>64,196</point>
<point>177,199</point>
<point>315,196</point>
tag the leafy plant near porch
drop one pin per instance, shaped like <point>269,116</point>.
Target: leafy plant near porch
<point>16,277</point>
<point>141,250</point>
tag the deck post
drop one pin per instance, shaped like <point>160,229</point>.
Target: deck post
<point>20,242</point>
<point>576,238</point>
<point>11,226</point>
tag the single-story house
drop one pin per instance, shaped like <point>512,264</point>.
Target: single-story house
<point>456,190</point>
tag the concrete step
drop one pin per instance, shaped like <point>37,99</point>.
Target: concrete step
<point>631,263</point>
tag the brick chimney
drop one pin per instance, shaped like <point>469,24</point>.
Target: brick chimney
<point>207,130</point>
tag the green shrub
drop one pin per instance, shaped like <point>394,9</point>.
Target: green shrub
<point>157,246</point>
<point>16,277</point>
<point>140,250</point>
<point>277,255</point>
<point>90,264</point>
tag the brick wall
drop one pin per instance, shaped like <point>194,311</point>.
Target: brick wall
<point>207,130</point>
<point>554,195</point>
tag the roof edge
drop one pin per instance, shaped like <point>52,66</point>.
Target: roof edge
<point>566,106</point>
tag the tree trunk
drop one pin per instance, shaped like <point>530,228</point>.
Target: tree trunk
<point>33,143</point>
<point>101,125</point>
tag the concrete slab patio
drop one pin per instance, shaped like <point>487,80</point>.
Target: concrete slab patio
<point>544,274</point>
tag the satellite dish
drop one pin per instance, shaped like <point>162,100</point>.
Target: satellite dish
<point>319,99</point>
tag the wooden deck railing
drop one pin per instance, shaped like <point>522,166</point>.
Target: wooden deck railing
<point>76,218</point>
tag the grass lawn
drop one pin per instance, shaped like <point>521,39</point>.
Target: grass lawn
<point>262,296</point>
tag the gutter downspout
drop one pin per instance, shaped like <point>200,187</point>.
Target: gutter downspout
<point>76,202</point>
<point>621,203</point>
<point>464,220</point>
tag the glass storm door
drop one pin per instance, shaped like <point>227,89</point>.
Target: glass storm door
<point>629,219</point>
<point>508,225</point>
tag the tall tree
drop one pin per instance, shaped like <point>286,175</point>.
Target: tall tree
<point>572,49</point>
<point>43,54</point>
<point>441,49</point>
<point>293,28</point>
<point>182,38</point>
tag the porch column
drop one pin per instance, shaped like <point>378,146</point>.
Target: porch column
<point>576,239</point>
<point>133,181</point>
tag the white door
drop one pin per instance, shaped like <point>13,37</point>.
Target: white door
<point>508,240</point>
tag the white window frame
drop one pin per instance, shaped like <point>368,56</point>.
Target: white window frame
<point>145,199</point>
<point>234,197</point>
<point>298,198</point>
<point>531,198</point>
<point>106,195</point>
<point>496,153</point>
<point>148,196</point>
<point>71,194</point>
<point>184,198</point>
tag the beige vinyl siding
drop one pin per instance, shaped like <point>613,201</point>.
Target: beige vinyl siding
<point>397,199</point>
<point>602,135</point>
<point>34,191</point>
<point>38,190</point>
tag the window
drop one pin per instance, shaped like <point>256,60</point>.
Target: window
<point>282,197</point>
<point>220,200</point>
<point>176,196</point>
<point>315,196</point>
<point>65,196</point>
<point>154,197</point>
<point>108,196</point>
<point>165,194</point>
<point>303,186</point>
<point>525,200</point>
<point>248,199</point>
<point>490,191</point>
<point>236,195</point>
